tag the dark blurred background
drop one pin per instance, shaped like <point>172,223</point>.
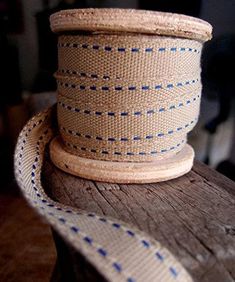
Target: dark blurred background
<point>28,59</point>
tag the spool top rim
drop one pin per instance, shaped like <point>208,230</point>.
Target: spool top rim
<point>130,20</point>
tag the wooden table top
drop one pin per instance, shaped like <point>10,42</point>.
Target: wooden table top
<point>193,216</point>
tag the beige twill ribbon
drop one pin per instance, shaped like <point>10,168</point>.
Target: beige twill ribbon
<point>127,97</point>
<point>119,252</point>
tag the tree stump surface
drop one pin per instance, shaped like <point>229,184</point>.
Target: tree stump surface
<point>193,216</point>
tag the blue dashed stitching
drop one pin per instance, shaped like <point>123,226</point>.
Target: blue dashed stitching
<point>124,153</point>
<point>117,266</point>
<point>173,271</point>
<point>129,49</point>
<point>125,139</point>
<point>130,88</point>
<point>102,252</point>
<point>125,114</point>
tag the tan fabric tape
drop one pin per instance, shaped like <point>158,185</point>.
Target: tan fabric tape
<point>127,97</point>
<point>121,253</point>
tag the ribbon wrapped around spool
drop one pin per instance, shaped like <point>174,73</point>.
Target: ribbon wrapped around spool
<point>128,93</point>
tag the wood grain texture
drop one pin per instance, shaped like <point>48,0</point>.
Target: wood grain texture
<point>193,216</point>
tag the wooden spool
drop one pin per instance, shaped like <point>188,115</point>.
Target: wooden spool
<point>126,21</point>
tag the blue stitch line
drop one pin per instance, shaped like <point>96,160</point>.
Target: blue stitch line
<point>130,233</point>
<point>118,88</point>
<point>103,219</point>
<point>116,225</point>
<point>173,271</point>
<point>145,87</point>
<point>130,279</point>
<point>74,229</point>
<point>121,49</point>
<point>149,137</point>
<point>107,48</point>
<point>62,220</point>
<point>88,240</point>
<point>135,49</point>
<point>159,256</point>
<point>102,252</point>
<point>145,243</point>
<point>117,267</point>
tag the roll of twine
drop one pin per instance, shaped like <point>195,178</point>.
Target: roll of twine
<point>127,97</point>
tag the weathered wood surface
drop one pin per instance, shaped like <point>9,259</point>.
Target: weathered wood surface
<point>193,216</point>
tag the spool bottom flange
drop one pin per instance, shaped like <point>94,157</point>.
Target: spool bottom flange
<point>122,172</point>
